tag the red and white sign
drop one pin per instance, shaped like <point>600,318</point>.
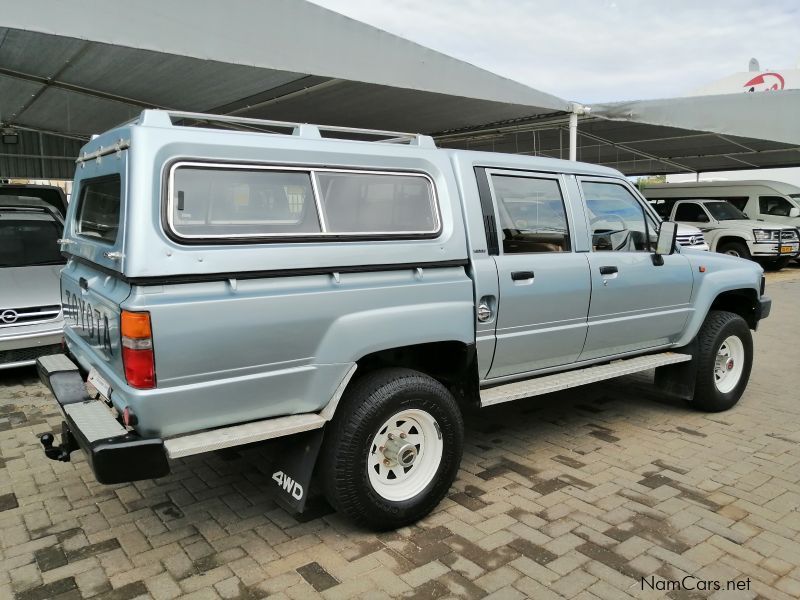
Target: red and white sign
<point>762,81</point>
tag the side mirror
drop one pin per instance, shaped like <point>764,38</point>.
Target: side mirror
<point>665,245</point>
<point>794,212</point>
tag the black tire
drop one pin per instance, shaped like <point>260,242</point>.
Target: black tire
<point>776,264</point>
<point>364,408</point>
<point>718,326</point>
<point>735,249</point>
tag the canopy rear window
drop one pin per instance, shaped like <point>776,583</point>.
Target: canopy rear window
<point>213,202</point>
<point>98,211</point>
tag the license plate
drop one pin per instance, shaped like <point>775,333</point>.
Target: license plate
<point>98,383</point>
<point>788,249</point>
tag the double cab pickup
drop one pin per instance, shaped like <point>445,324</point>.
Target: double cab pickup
<point>234,280</point>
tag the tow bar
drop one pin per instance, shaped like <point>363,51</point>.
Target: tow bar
<point>63,450</point>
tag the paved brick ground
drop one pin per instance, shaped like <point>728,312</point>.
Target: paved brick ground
<point>574,495</point>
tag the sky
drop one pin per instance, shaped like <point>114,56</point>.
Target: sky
<point>597,50</point>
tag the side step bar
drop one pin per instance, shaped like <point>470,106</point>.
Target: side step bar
<point>547,384</point>
<point>257,431</point>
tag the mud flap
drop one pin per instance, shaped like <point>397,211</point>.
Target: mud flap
<point>679,380</point>
<point>293,468</point>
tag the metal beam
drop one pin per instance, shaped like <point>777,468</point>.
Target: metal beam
<point>666,161</point>
<point>71,87</point>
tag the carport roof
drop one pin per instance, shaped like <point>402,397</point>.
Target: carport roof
<point>68,70</point>
<point>83,66</point>
<point>675,135</point>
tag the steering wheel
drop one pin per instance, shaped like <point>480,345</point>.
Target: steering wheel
<point>611,217</point>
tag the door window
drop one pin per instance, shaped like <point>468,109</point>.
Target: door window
<point>617,219</point>
<point>691,212</point>
<point>774,205</point>
<point>532,214</point>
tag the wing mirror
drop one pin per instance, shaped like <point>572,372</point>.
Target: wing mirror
<point>794,212</point>
<point>665,244</point>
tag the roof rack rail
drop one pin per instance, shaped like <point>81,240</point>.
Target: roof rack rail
<point>171,118</point>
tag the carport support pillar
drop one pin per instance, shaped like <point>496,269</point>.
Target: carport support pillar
<point>577,109</point>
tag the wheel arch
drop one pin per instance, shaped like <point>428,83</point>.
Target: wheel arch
<point>726,238</point>
<point>452,362</point>
<point>742,301</point>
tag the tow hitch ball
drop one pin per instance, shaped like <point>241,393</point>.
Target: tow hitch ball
<point>54,452</point>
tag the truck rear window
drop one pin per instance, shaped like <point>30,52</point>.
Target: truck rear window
<point>214,201</point>
<point>98,211</point>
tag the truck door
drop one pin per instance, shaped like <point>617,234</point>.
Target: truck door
<point>544,285</point>
<point>635,304</point>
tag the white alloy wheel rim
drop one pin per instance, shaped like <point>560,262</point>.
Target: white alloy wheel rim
<point>733,252</point>
<point>729,364</point>
<point>404,455</point>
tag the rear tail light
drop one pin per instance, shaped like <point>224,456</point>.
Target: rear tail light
<point>137,350</point>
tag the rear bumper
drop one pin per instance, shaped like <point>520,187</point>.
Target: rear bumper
<point>114,454</point>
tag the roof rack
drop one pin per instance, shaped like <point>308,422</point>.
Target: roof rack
<point>170,118</point>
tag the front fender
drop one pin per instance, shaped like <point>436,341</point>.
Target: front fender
<point>714,235</point>
<point>722,274</point>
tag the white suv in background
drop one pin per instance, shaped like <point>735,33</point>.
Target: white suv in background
<point>761,200</point>
<point>729,231</point>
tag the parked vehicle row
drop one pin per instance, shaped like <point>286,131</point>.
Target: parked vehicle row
<point>751,219</point>
<point>226,286</point>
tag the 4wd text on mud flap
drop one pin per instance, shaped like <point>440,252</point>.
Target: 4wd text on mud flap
<point>289,485</point>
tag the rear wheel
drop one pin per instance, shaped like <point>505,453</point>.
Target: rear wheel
<point>393,449</point>
<point>725,357</point>
<point>734,249</point>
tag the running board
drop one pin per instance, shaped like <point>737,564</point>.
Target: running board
<point>547,384</point>
<point>257,431</point>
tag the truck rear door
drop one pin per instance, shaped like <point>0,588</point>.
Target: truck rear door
<point>544,284</point>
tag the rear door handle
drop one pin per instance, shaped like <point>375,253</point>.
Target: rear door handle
<point>608,270</point>
<point>521,275</point>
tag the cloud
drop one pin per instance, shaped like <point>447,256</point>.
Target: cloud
<point>596,50</point>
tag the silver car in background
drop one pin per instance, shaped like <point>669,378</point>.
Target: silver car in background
<point>31,321</point>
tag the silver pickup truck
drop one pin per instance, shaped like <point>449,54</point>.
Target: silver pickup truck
<point>352,292</point>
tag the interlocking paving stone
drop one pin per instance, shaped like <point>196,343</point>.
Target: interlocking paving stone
<point>48,591</point>
<point>581,492</point>
<point>50,558</point>
<point>8,501</point>
<point>317,576</point>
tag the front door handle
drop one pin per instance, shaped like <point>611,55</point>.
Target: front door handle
<point>521,275</point>
<point>608,270</point>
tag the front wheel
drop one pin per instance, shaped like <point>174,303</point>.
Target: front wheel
<point>725,357</point>
<point>738,249</point>
<point>393,449</point>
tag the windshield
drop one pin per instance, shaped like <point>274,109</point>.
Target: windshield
<point>723,211</point>
<point>29,240</point>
